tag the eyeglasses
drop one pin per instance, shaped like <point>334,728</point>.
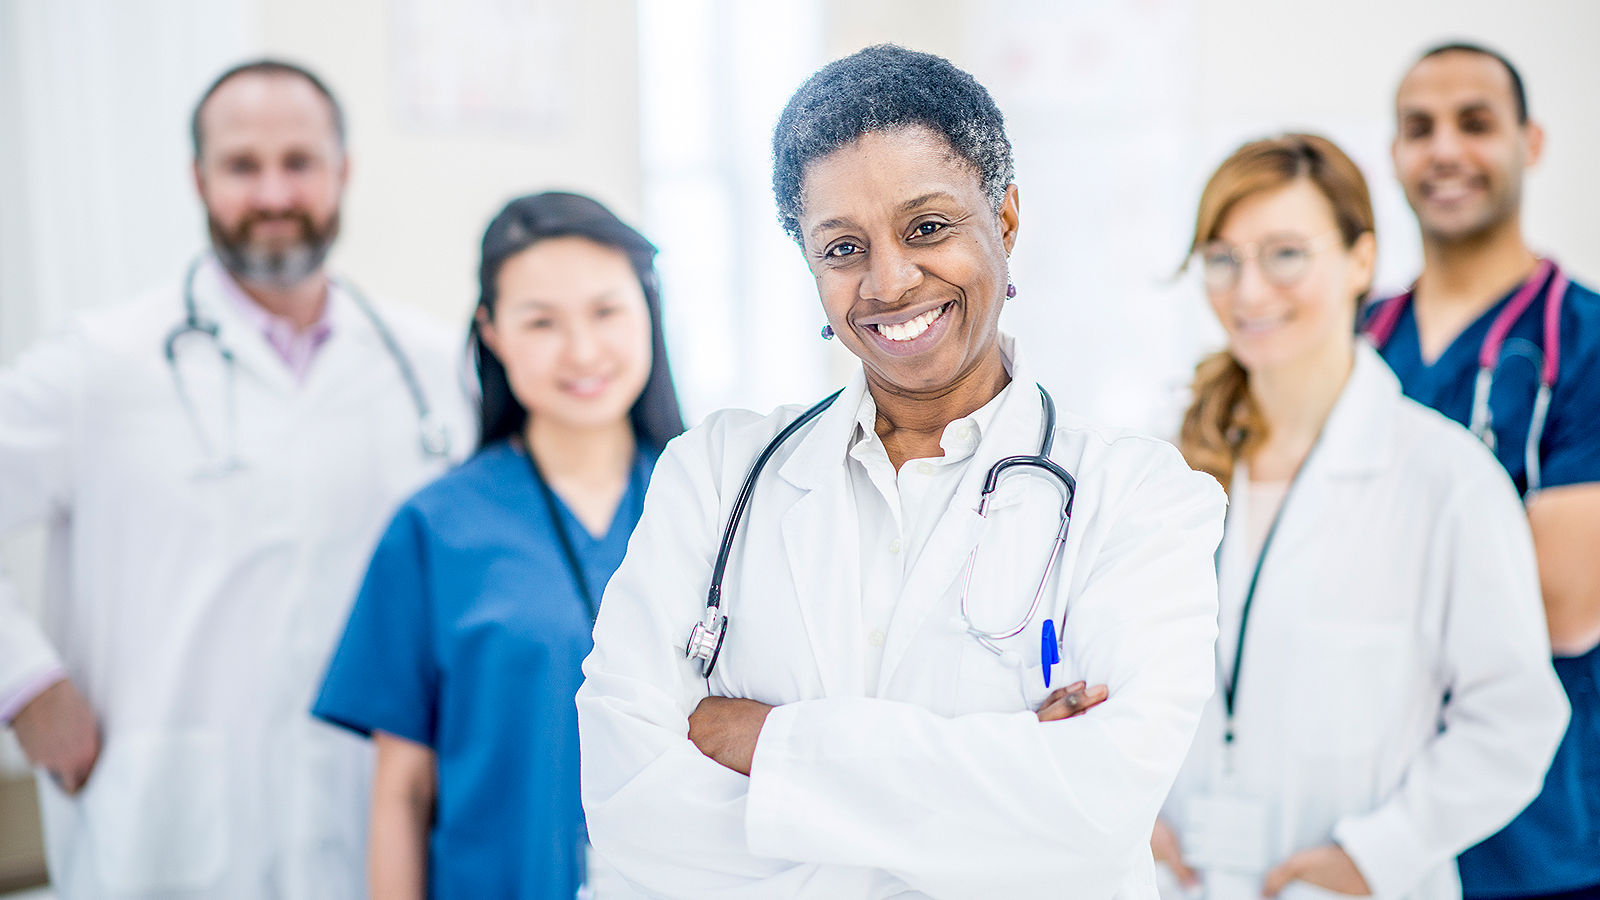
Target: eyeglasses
<point>1284,262</point>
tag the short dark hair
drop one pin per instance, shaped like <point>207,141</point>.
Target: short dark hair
<point>1517,92</point>
<point>524,222</point>
<point>266,67</point>
<point>882,88</point>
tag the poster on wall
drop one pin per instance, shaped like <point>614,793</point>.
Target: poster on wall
<point>499,65</point>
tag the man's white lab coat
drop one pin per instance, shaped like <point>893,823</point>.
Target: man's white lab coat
<point>197,612</point>
<point>1401,571</point>
<point>943,783</point>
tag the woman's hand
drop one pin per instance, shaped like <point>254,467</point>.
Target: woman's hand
<point>1073,700</point>
<point>1165,848</point>
<point>726,730</point>
<point>1327,867</point>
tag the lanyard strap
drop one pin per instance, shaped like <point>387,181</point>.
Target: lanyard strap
<point>1230,687</point>
<point>568,552</point>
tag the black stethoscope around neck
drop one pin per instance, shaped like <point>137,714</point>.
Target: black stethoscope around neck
<point>708,635</point>
<point>434,437</point>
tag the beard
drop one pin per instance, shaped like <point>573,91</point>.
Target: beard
<point>270,263</point>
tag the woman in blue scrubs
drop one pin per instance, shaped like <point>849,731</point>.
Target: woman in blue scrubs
<point>463,650</point>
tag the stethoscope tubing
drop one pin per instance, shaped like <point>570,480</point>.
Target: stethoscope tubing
<point>742,501</point>
<point>707,637</point>
<point>1548,279</point>
<point>1068,487</point>
<point>434,437</point>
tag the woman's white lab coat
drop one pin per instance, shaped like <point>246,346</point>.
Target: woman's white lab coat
<point>1396,694</point>
<point>943,783</point>
<point>197,613</point>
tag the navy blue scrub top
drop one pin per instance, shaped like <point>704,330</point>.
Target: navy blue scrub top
<point>1554,845</point>
<point>468,636</point>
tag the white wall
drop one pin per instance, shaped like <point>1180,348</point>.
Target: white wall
<point>420,193</point>
<point>96,199</point>
<point>741,312</point>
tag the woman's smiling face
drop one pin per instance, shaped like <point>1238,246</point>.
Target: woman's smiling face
<point>909,257</point>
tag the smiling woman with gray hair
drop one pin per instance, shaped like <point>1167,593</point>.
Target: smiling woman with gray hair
<point>838,660</point>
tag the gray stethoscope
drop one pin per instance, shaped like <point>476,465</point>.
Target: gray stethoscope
<point>435,437</point>
<point>1547,362</point>
<point>705,641</point>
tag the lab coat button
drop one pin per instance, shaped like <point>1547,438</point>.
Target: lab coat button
<point>924,468</point>
<point>894,546</point>
<point>875,638</point>
<point>964,432</point>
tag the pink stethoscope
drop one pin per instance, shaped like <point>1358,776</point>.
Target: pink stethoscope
<point>1383,324</point>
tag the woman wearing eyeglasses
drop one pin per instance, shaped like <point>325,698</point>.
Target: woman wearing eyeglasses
<point>1385,697</point>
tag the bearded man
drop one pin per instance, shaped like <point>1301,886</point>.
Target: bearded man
<point>215,461</point>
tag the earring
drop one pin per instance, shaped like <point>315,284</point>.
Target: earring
<point>1011,290</point>
<point>827,332</point>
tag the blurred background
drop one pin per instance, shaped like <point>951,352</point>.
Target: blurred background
<point>662,109</point>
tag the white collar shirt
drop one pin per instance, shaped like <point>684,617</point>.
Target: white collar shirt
<point>898,511</point>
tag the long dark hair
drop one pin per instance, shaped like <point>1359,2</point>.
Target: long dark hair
<point>524,222</point>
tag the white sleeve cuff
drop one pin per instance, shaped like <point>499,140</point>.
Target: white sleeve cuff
<point>1384,845</point>
<point>770,803</point>
<point>25,691</point>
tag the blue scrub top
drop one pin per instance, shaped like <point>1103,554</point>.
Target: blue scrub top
<point>1554,845</point>
<point>468,636</point>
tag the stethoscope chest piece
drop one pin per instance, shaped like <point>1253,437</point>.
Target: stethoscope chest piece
<point>435,436</point>
<point>705,641</point>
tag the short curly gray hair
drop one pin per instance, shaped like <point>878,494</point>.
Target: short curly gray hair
<point>883,88</point>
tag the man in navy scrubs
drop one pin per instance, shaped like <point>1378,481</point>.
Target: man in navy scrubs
<point>1464,141</point>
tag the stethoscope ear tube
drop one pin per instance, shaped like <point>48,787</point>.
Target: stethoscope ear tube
<point>1066,484</point>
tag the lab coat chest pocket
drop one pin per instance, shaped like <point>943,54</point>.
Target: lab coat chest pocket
<point>764,613</point>
<point>1345,684</point>
<point>989,684</point>
<point>156,811</point>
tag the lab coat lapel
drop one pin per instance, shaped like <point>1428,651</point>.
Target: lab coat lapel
<point>1356,443</point>
<point>821,537</point>
<point>1357,438</point>
<point>1014,431</point>
<point>352,353</point>
<point>247,344</point>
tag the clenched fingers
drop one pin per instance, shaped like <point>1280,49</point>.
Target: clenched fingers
<point>1072,700</point>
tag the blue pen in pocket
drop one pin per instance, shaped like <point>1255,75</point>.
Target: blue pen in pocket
<point>1049,652</point>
